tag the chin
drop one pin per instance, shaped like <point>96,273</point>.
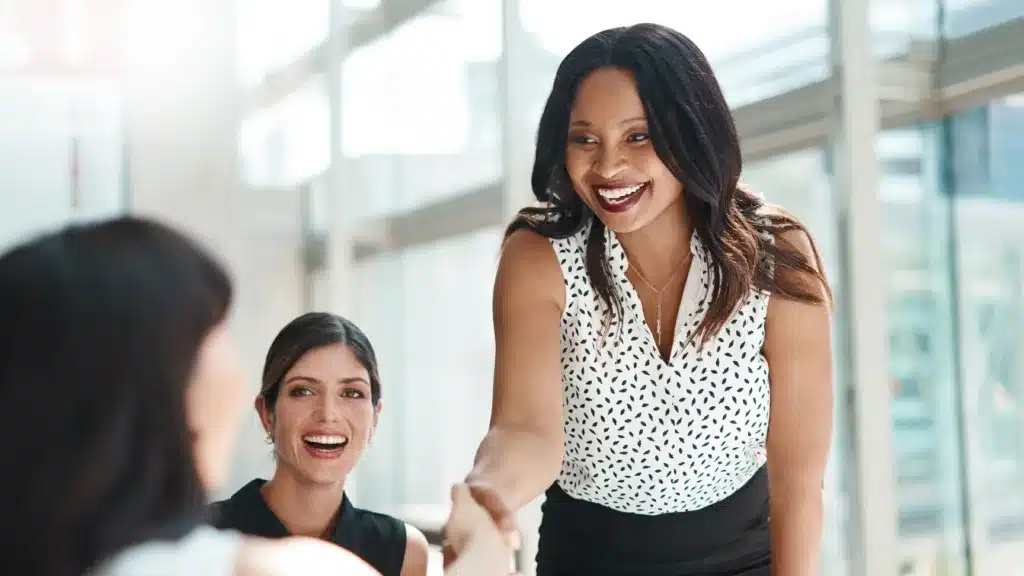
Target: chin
<point>325,473</point>
<point>322,477</point>
<point>622,223</point>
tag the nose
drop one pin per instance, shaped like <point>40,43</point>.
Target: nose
<point>609,162</point>
<point>329,408</point>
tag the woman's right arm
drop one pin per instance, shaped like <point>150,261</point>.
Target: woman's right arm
<point>522,452</point>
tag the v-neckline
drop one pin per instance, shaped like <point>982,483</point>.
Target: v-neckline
<point>619,264</point>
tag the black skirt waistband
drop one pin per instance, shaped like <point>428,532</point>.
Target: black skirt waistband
<point>726,537</point>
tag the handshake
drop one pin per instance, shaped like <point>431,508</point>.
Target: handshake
<point>480,536</point>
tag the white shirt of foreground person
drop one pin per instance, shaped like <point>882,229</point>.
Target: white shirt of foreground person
<point>209,552</point>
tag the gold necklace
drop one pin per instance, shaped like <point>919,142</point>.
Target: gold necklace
<point>661,292</point>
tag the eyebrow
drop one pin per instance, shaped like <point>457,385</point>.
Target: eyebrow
<point>626,121</point>
<point>350,380</point>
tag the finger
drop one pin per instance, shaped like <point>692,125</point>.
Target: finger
<point>495,506</point>
<point>448,555</point>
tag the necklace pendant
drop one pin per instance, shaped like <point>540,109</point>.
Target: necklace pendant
<point>658,324</point>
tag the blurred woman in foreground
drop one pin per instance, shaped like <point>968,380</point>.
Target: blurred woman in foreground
<point>123,396</point>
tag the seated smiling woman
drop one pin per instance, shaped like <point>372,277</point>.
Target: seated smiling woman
<point>319,404</point>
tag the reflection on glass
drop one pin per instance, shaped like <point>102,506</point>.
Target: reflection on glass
<point>428,312</point>
<point>288,142</point>
<point>420,114</point>
<point>799,183</point>
<point>989,211</point>
<point>774,47</point>
<point>925,419</point>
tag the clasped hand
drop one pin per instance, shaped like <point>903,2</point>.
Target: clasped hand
<point>480,535</point>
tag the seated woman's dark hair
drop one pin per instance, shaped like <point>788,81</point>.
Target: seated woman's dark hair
<point>102,324</point>
<point>694,135</point>
<point>308,332</point>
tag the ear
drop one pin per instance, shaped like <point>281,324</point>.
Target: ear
<point>265,413</point>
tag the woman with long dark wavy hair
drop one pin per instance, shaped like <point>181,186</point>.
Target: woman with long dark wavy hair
<point>663,363</point>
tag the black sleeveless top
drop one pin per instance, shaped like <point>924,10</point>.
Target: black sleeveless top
<point>378,539</point>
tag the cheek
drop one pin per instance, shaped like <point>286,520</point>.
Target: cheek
<point>287,417</point>
<point>577,165</point>
<point>653,167</point>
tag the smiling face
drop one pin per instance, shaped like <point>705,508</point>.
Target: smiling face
<point>323,417</point>
<point>609,155</point>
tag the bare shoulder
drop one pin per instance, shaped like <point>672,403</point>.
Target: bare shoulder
<point>800,241</point>
<point>528,271</point>
<point>416,552</point>
<point>792,236</point>
<point>298,557</point>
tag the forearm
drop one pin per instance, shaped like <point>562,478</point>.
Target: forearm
<point>518,462</point>
<point>796,522</point>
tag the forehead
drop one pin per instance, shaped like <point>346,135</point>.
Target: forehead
<point>607,95</point>
<point>329,362</point>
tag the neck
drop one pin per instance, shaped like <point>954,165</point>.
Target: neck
<point>305,508</point>
<point>658,249</point>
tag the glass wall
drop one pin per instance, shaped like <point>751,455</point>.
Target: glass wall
<point>773,48</point>
<point>428,311</point>
<point>963,17</point>
<point>926,426</point>
<point>61,153</point>
<point>799,182</point>
<point>988,211</point>
<point>272,34</point>
<point>419,125</point>
<point>288,142</point>
<point>955,251</point>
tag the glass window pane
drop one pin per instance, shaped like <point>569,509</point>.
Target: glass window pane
<point>61,154</point>
<point>428,312</point>
<point>800,183</point>
<point>925,407</point>
<point>271,34</point>
<point>420,117</point>
<point>989,210</point>
<point>289,142</point>
<point>967,16</point>
<point>896,24</point>
<point>773,48</point>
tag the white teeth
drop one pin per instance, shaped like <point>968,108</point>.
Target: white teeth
<point>618,193</point>
<point>325,439</point>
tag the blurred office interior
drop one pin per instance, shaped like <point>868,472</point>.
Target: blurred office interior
<point>362,156</point>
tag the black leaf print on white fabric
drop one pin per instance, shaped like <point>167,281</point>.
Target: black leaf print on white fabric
<point>647,436</point>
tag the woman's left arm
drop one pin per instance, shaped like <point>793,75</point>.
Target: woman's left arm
<point>799,352</point>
